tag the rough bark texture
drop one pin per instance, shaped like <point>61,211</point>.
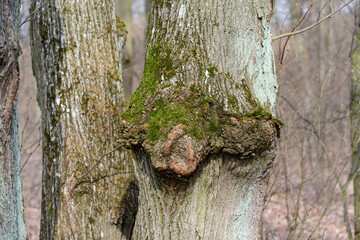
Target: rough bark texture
<point>201,122</point>
<point>355,130</point>
<point>76,52</point>
<point>12,225</point>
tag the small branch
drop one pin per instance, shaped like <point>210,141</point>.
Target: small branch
<point>97,163</point>
<point>27,19</point>
<point>103,177</point>
<point>294,28</point>
<point>312,25</point>
<point>29,156</point>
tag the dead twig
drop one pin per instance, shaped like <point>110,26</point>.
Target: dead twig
<point>97,163</point>
<point>27,19</point>
<point>312,25</point>
<point>294,28</point>
<point>27,159</point>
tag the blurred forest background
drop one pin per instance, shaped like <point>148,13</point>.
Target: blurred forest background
<point>308,194</point>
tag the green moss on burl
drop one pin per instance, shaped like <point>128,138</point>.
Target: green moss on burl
<point>155,108</point>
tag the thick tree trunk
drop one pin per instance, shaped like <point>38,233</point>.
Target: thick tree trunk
<point>201,121</point>
<point>355,130</point>
<point>12,225</point>
<point>76,51</point>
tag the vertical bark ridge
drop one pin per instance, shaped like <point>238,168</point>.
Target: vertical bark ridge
<point>214,204</point>
<point>227,46</point>
<point>77,62</point>
<point>202,154</point>
<point>12,224</point>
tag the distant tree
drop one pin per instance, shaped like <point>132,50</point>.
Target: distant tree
<point>123,10</point>
<point>12,225</point>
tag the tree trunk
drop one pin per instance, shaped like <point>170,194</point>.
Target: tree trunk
<point>138,41</point>
<point>123,10</point>
<point>201,122</point>
<point>12,225</point>
<point>76,53</point>
<point>296,12</point>
<point>355,130</point>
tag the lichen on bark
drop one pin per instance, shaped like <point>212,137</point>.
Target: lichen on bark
<point>12,224</point>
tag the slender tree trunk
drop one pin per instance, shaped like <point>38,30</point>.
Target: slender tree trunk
<point>201,122</point>
<point>296,11</point>
<point>12,225</point>
<point>123,10</point>
<point>355,129</point>
<point>76,53</point>
<point>138,40</point>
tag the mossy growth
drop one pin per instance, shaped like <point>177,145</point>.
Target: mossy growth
<point>120,26</point>
<point>260,113</point>
<point>171,107</point>
<point>156,107</point>
<point>158,65</point>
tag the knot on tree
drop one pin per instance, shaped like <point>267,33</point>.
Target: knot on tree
<point>178,153</point>
<point>180,134</point>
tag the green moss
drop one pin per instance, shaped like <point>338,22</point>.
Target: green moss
<point>158,105</point>
<point>158,65</point>
<point>51,207</point>
<point>120,25</point>
<point>249,97</point>
<point>91,220</point>
<point>262,114</point>
<point>233,102</point>
<point>212,70</point>
<point>194,110</point>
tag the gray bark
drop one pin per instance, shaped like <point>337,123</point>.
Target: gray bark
<point>355,130</point>
<point>200,123</point>
<point>12,225</point>
<point>76,53</point>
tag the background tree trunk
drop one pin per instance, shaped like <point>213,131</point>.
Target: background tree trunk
<point>201,121</point>
<point>12,225</point>
<point>355,129</point>
<point>76,53</point>
<point>123,10</point>
<point>138,41</point>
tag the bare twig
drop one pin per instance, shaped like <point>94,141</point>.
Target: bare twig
<point>343,187</point>
<point>26,122</point>
<point>29,156</point>
<point>312,25</point>
<point>97,163</point>
<point>319,15</point>
<point>27,19</point>
<point>294,28</point>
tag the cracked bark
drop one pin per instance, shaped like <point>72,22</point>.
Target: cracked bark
<point>200,122</point>
<point>12,225</point>
<point>76,54</point>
